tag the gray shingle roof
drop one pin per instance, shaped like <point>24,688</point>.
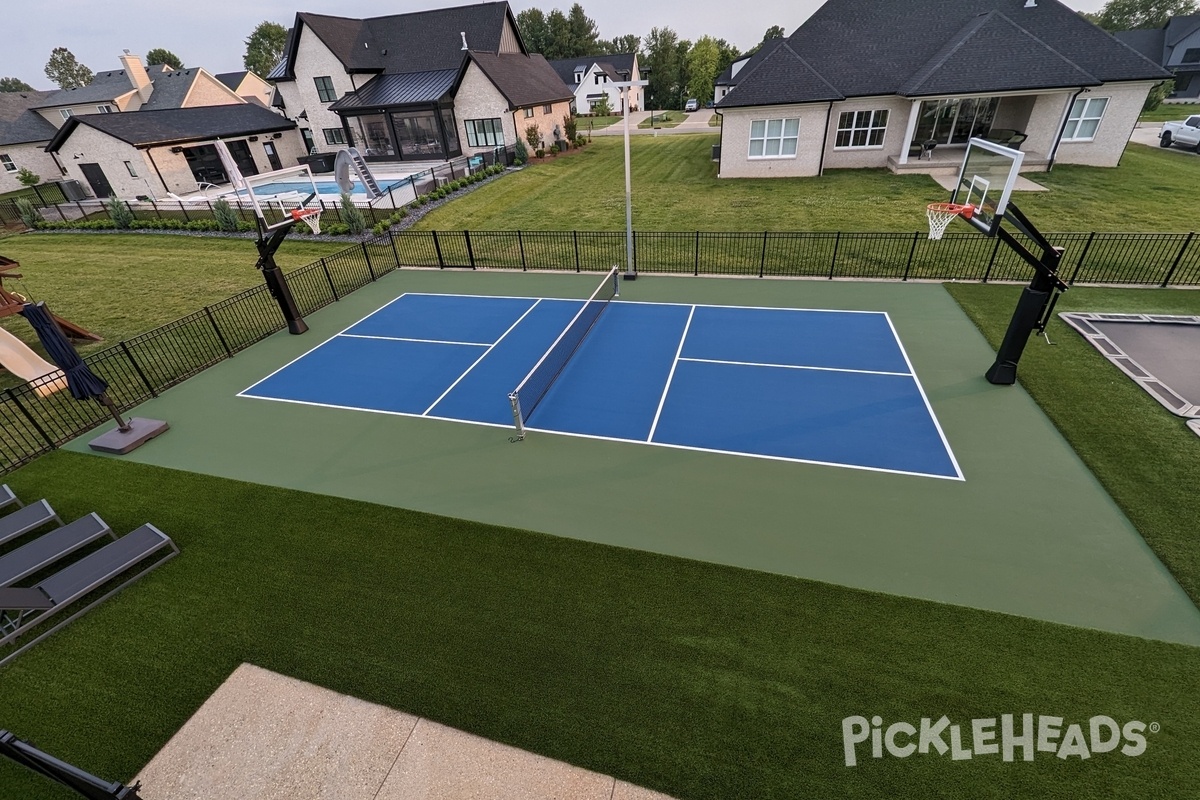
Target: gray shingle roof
<point>1150,42</point>
<point>397,90</point>
<point>232,80</point>
<point>170,89</point>
<point>419,42</point>
<point>178,125</point>
<point>524,80</point>
<point>19,123</point>
<point>727,78</point>
<point>778,78</point>
<point>105,87</point>
<point>612,65</point>
<point>864,48</point>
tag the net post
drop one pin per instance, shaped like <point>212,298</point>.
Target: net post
<point>515,400</point>
<point>616,278</point>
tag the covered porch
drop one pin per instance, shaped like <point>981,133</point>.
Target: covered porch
<point>403,117</point>
<point>939,128</point>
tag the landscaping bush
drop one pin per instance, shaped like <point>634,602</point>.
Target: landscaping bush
<point>522,154</point>
<point>120,214</point>
<point>533,136</point>
<point>352,217</point>
<point>540,153</point>
<point>227,219</point>
<point>579,141</point>
<point>27,177</point>
<point>570,127</point>
<point>29,215</point>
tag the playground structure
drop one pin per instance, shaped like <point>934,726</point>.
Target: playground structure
<point>15,355</point>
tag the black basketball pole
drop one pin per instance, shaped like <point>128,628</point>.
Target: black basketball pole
<point>1037,299</point>
<point>277,284</point>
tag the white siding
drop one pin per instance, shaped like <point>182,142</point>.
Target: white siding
<point>1125,102</point>
<point>871,157</point>
<point>478,98</point>
<point>314,59</point>
<point>735,142</point>
<point>32,157</point>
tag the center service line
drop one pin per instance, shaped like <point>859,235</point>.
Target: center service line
<point>671,376</point>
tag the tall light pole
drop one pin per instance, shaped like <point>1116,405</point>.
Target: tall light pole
<point>630,270</point>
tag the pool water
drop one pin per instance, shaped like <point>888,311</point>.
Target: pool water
<point>323,187</point>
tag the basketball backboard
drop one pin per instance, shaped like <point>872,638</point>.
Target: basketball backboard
<point>275,195</point>
<point>989,172</point>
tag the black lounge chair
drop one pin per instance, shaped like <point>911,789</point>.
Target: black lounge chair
<point>76,581</point>
<point>7,498</point>
<point>51,547</point>
<point>24,520</point>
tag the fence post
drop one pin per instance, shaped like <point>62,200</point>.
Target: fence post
<point>911,250</point>
<point>395,253</point>
<point>154,203</point>
<point>837,242</point>
<point>21,407</point>
<point>521,245</point>
<point>470,252</point>
<point>438,247</point>
<point>987,273</point>
<point>367,256</point>
<point>220,336</point>
<point>575,236</point>
<point>61,215</point>
<point>762,261</point>
<point>129,208</point>
<point>1178,258</point>
<point>138,369</point>
<point>696,264</point>
<point>1082,256</point>
<point>186,218</point>
<point>329,278</point>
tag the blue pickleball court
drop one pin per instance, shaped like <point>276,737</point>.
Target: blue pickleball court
<point>816,386</point>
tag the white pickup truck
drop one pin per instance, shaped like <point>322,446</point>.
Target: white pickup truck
<point>1186,133</point>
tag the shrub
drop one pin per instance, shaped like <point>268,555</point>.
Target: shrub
<point>226,217</point>
<point>352,217</point>
<point>579,141</point>
<point>29,215</point>
<point>540,153</point>
<point>337,228</point>
<point>120,214</point>
<point>570,126</point>
<point>533,136</point>
<point>522,154</point>
<point>27,177</point>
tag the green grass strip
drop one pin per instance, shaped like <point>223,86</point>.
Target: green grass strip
<point>695,679</point>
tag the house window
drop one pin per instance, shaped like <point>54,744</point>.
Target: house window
<point>105,109</point>
<point>1084,119</point>
<point>132,172</point>
<point>547,109</point>
<point>484,132</point>
<point>7,161</point>
<point>325,90</point>
<point>66,113</point>
<point>861,128</point>
<point>579,77</point>
<point>1191,55</point>
<point>774,138</point>
<point>334,135</point>
<point>528,113</point>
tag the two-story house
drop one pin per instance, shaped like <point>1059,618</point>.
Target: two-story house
<point>591,78</point>
<point>1174,46</point>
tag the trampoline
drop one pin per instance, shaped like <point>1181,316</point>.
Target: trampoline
<point>1160,353</point>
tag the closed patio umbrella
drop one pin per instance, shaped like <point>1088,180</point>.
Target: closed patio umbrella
<point>83,383</point>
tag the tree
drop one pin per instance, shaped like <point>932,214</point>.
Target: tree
<point>14,85</point>
<point>726,55</point>
<point>601,106</point>
<point>662,59</point>
<point>619,46</point>
<point>27,177</point>
<point>583,34</point>
<point>773,32</point>
<point>534,29</point>
<point>1128,15</point>
<point>558,37</point>
<point>1158,94</point>
<point>264,48</point>
<point>65,71</point>
<point>161,55</point>
<point>702,62</point>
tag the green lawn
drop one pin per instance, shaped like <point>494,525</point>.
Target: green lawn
<point>118,286</point>
<point>597,122</point>
<point>675,187</point>
<point>715,121</point>
<point>1146,457</point>
<point>663,119</point>
<point>1170,111</point>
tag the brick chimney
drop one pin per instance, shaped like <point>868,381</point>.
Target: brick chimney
<point>137,75</point>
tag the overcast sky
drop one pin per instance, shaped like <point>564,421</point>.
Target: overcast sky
<point>212,34</point>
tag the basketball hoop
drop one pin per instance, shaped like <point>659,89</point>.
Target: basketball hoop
<point>309,216</point>
<point>940,215</point>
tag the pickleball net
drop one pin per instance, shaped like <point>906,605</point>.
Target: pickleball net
<point>545,372</point>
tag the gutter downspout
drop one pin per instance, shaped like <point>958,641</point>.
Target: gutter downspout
<point>825,139</point>
<point>721,139</point>
<point>1063,127</point>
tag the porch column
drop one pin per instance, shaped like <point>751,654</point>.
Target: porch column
<point>914,114</point>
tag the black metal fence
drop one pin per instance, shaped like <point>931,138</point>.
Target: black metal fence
<point>34,419</point>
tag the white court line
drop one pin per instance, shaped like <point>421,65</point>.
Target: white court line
<point>928,407</point>
<point>670,377</point>
<point>424,341</point>
<point>482,357</point>
<point>797,366</point>
<point>654,303</point>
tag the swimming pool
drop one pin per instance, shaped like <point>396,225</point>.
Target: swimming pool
<point>323,187</point>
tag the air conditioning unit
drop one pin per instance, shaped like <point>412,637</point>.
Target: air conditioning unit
<point>72,190</point>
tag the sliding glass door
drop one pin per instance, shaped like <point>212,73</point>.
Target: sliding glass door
<point>954,121</point>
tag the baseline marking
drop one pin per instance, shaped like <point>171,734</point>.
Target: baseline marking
<point>671,376</point>
<point>481,358</point>
<point>798,366</point>
<point>422,341</point>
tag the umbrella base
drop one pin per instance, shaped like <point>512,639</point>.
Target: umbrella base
<point>140,431</point>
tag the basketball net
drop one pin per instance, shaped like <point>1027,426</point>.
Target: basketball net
<point>309,216</point>
<point>940,215</point>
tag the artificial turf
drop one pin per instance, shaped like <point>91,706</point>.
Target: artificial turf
<point>699,680</point>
